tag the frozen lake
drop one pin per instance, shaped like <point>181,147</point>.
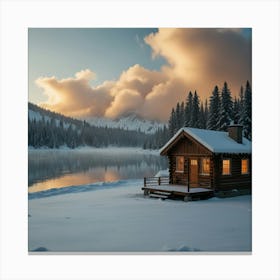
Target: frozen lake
<point>57,168</point>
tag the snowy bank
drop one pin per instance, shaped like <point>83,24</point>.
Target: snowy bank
<point>116,217</point>
<point>162,173</point>
<point>110,149</point>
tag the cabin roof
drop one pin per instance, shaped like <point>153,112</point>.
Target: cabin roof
<point>215,141</point>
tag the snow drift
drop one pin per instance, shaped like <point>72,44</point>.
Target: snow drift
<point>116,217</point>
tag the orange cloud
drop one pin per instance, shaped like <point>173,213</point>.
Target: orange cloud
<point>131,92</point>
<point>204,57</point>
<point>74,96</point>
<point>198,59</point>
<point>85,75</point>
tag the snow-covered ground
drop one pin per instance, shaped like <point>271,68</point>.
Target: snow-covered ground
<point>162,173</point>
<point>116,217</point>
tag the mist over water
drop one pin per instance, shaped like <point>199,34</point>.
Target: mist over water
<point>49,169</point>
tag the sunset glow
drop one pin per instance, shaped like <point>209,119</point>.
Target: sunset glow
<point>82,178</point>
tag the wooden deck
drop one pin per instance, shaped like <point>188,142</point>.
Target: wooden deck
<point>159,187</point>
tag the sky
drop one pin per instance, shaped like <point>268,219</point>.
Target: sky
<point>113,72</point>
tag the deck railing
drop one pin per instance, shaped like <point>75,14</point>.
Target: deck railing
<point>156,181</point>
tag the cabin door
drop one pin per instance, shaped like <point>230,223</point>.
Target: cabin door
<point>193,174</point>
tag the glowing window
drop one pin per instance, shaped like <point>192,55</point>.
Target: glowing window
<point>205,166</point>
<point>226,166</point>
<point>193,162</point>
<point>180,164</point>
<point>244,166</point>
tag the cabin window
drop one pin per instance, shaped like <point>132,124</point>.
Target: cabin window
<point>244,166</point>
<point>226,166</point>
<point>193,161</point>
<point>205,166</point>
<point>180,164</point>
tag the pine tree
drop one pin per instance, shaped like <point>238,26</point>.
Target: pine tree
<point>172,123</point>
<point>182,114</point>
<point>241,115</point>
<point>226,114</point>
<point>206,112</point>
<point>188,109</point>
<point>202,117</point>
<point>247,122</point>
<point>177,117</point>
<point>214,110</point>
<point>195,111</point>
<point>236,110</point>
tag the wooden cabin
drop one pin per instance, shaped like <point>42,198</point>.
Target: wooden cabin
<point>216,160</point>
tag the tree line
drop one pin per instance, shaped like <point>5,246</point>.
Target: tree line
<point>47,133</point>
<point>218,115</point>
<point>53,130</point>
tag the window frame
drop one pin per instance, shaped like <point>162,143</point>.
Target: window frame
<point>230,164</point>
<point>201,166</point>
<point>176,166</point>
<point>247,160</point>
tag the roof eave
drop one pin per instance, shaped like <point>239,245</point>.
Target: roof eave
<point>186,132</point>
<point>176,138</point>
<point>232,153</point>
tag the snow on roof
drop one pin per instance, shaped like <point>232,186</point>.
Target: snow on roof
<point>215,141</point>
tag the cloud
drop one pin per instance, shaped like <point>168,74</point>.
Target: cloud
<point>204,57</point>
<point>131,91</point>
<point>74,96</point>
<point>85,75</point>
<point>197,59</point>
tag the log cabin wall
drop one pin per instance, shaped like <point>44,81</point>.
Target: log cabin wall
<point>235,180</point>
<point>188,148</point>
<point>178,178</point>
<point>181,178</point>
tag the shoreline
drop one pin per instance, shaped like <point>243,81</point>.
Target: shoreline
<point>75,189</point>
<point>95,149</point>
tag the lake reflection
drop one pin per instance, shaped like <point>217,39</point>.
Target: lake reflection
<point>49,169</point>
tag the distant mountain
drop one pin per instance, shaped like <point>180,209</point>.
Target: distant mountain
<point>130,122</point>
<point>53,130</point>
<point>38,114</point>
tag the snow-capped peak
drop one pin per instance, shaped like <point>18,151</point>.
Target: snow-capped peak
<point>130,122</point>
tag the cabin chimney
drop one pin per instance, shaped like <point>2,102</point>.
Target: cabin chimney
<point>235,132</point>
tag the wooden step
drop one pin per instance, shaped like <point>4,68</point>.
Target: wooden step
<point>162,192</point>
<point>154,195</point>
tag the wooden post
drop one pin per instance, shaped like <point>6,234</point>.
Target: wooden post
<point>188,174</point>
<point>159,181</point>
<point>145,182</point>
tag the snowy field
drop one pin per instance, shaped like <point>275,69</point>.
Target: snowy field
<point>116,217</point>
